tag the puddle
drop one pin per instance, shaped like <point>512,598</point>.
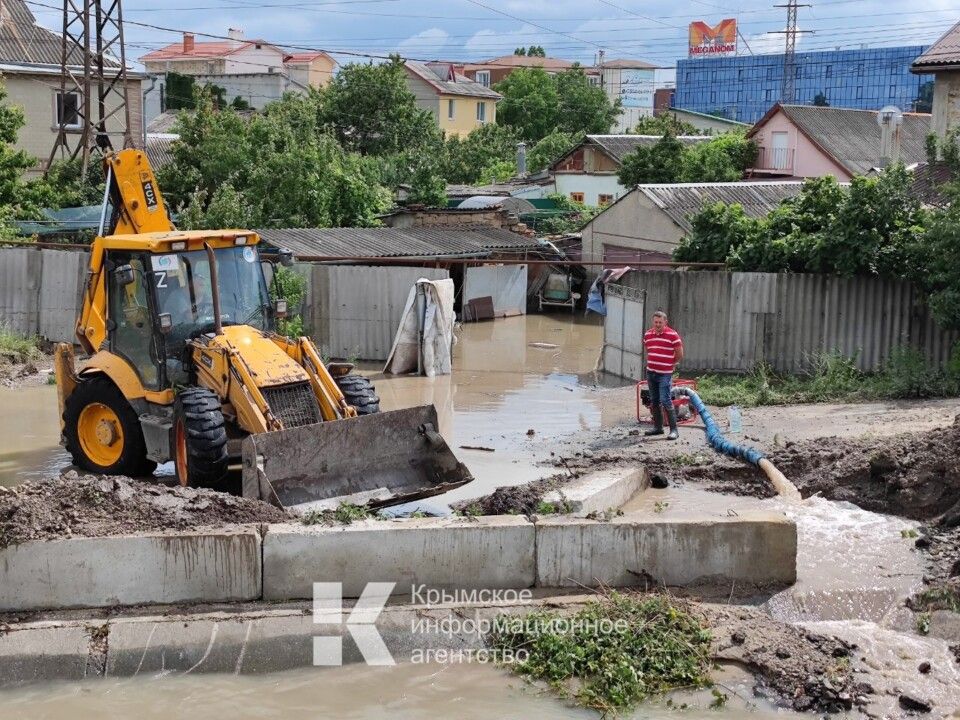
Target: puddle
<point>29,434</point>
<point>478,692</point>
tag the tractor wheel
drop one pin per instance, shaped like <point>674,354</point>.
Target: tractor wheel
<point>102,430</point>
<point>360,393</point>
<point>199,439</point>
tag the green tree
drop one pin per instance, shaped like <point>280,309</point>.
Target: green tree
<point>661,162</point>
<point>498,172</point>
<point>665,123</point>
<point>584,108</point>
<point>19,199</point>
<point>179,92</point>
<point>464,159</point>
<point>820,100</point>
<point>942,267</point>
<point>530,103</point>
<point>721,159</point>
<point>551,147</point>
<point>370,110</point>
<point>572,216</point>
<point>715,231</point>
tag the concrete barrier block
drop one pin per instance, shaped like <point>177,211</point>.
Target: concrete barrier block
<point>214,566</point>
<point>602,490</point>
<point>44,652</point>
<point>757,548</point>
<point>444,553</point>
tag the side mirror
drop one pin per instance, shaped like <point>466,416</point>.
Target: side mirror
<point>124,275</point>
<point>165,322</point>
<point>280,308</point>
<point>286,257</point>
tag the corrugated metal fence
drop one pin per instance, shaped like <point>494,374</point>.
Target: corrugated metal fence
<point>733,321</point>
<point>353,311</point>
<point>40,289</point>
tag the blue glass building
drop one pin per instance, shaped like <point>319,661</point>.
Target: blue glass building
<point>744,87</point>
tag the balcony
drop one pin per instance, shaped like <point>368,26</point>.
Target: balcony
<point>776,161</point>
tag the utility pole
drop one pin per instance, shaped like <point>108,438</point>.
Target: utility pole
<point>93,102</point>
<point>788,86</point>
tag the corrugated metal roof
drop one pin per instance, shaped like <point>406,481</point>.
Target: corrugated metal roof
<point>681,200</point>
<point>619,146</point>
<point>159,149</point>
<point>945,51</point>
<point>852,137</point>
<point>466,240</point>
<point>460,85</point>
<point>23,41</point>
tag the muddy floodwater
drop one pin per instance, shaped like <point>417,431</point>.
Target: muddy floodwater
<point>513,375</point>
<point>365,693</point>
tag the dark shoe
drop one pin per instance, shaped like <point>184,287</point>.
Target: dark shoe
<point>657,428</point>
<point>672,417</point>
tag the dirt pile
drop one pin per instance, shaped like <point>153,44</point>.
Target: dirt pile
<point>94,506</point>
<point>512,500</point>
<point>17,369</point>
<point>811,672</point>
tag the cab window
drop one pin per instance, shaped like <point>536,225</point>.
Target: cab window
<point>130,320</point>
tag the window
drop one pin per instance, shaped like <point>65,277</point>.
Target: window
<point>893,91</point>
<point>576,197</point>
<point>740,74</point>
<point>483,77</point>
<point>451,104</point>
<point>481,112</point>
<point>593,79</point>
<point>769,95</point>
<point>799,72</point>
<point>828,71</point>
<point>860,70</point>
<point>739,95</point>
<point>713,96</point>
<point>859,92</point>
<point>603,199</point>
<point>67,110</point>
<point>770,73</point>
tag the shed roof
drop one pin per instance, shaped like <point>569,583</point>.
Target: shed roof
<point>852,137</point>
<point>22,40</point>
<point>944,53</point>
<point>681,200</point>
<point>385,242</point>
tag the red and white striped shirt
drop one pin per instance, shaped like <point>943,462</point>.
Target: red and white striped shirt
<point>661,349</point>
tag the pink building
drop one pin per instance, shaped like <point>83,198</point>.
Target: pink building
<point>801,141</point>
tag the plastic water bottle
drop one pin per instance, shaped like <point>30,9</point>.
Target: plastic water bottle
<point>736,420</point>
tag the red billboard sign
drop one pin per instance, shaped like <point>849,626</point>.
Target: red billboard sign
<point>718,40</point>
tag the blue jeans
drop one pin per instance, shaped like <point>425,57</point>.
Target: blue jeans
<point>659,385</point>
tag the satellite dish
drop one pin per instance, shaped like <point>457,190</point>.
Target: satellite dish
<point>890,115</point>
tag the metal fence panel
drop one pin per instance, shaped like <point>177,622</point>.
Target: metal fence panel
<point>623,332</point>
<point>62,276</point>
<point>734,321</point>
<point>353,311</point>
<point>20,290</point>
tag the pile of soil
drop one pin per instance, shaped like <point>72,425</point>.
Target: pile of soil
<point>95,506</point>
<point>811,672</point>
<point>513,499</point>
<point>17,369</point>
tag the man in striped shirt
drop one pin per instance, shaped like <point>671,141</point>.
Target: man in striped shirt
<point>664,350</point>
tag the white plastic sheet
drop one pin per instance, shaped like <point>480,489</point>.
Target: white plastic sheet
<point>506,284</point>
<point>424,339</point>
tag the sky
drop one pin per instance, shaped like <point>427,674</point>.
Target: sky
<point>575,30</point>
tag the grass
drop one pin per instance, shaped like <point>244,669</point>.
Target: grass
<point>344,514</point>
<point>23,348</point>
<point>835,378</point>
<point>548,508</point>
<point>613,653</point>
<point>939,598</point>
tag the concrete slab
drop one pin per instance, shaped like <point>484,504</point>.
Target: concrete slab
<point>759,548</point>
<point>214,566</point>
<point>600,491</point>
<point>442,553</point>
<point>45,651</point>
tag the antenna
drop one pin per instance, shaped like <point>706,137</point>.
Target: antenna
<point>92,103</point>
<point>788,86</point>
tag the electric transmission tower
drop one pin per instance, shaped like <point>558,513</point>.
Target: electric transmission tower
<point>788,87</point>
<point>92,103</point>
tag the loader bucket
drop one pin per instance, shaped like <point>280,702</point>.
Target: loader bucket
<point>374,460</point>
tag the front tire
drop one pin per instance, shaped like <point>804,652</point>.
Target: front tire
<point>102,430</point>
<point>359,392</point>
<point>200,439</point>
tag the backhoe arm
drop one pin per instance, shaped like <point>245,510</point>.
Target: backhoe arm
<point>138,205</point>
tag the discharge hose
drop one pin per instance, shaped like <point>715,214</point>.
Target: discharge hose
<point>718,442</point>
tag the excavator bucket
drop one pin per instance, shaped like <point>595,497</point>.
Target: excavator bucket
<point>373,460</point>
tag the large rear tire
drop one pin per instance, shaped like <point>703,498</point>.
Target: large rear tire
<point>360,393</point>
<point>200,439</point>
<point>102,430</point>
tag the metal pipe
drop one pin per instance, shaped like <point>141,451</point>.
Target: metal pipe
<point>214,289</point>
<point>103,205</point>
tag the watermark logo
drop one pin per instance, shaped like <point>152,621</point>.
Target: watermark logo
<point>360,623</point>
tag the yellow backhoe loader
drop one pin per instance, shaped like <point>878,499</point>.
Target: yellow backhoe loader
<point>184,364</point>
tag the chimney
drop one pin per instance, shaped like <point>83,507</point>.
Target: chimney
<point>889,119</point>
<point>188,42</point>
<point>235,35</point>
<point>521,159</point>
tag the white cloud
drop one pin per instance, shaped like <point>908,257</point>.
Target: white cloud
<point>426,45</point>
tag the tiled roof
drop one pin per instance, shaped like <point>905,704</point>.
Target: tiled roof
<point>619,146</point>
<point>203,50</point>
<point>944,52</point>
<point>23,41</point>
<point>547,63</point>
<point>464,241</point>
<point>625,64</point>
<point>461,86</point>
<point>852,137</point>
<point>681,200</point>
<point>304,57</point>
<point>164,122</point>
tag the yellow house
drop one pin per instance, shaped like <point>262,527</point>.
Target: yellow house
<point>458,103</point>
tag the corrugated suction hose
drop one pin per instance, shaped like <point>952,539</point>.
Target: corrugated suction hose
<point>718,442</point>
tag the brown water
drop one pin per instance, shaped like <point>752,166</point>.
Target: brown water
<point>510,376</point>
<point>365,693</point>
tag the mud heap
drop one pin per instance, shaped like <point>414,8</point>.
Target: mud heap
<point>94,506</point>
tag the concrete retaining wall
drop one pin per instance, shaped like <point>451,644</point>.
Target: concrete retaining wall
<point>502,552</point>
<point>215,566</point>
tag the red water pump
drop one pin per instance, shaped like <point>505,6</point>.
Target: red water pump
<point>686,413</point>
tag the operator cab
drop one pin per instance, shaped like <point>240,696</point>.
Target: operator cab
<point>160,300</point>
